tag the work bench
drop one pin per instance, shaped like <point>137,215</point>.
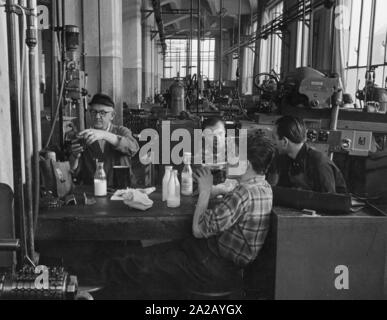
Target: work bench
<point>308,252</point>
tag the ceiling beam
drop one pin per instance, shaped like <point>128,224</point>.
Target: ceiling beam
<point>175,20</point>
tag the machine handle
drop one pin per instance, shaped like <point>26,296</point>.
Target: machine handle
<point>9,245</point>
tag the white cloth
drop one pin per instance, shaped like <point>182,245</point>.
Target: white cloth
<point>135,198</point>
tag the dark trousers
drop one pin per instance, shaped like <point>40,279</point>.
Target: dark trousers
<point>165,271</point>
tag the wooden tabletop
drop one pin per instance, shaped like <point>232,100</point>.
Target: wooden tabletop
<point>113,220</point>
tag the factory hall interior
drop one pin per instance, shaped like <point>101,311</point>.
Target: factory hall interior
<point>193,150</point>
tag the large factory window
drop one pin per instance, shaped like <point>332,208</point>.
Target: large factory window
<point>271,48</point>
<point>359,41</point>
<point>177,57</point>
<point>248,63</point>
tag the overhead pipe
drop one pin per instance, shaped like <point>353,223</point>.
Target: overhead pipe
<point>12,36</point>
<point>292,14</point>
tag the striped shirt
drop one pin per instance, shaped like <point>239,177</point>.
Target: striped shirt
<point>239,224</point>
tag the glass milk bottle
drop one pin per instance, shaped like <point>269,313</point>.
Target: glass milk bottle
<point>173,200</point>
<point>186,176</point>
<point>167,176</point>
<point>100,182</point>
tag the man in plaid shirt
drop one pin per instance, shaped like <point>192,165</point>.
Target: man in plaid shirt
<point>226,239</point>
<point>238,225</point>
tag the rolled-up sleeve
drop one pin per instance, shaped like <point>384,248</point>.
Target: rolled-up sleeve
<point>127,144</point>
<point>225,214</point>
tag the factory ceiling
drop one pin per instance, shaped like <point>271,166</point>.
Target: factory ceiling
<point>179,25</point>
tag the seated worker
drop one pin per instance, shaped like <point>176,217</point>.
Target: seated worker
<point>227,237</point>
<point>218,129</point>
<point>105,142</point>
<point>300,166</point>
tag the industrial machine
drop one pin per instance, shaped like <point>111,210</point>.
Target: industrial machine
<point>372,97</point>
<point>33,282</point>
<point>309,88</point>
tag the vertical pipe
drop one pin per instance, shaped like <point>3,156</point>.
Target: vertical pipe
<point>60,63</point>
<point>26,120</point>
<point>15,126</point>
<point>199,62</point>
<point>54,65</point>
<point>99,46</point>
<point>191,38</point>
<point>333,39</point>
<point>64,61</point>
<point>221,46</point>
<point>385,60</point>
<point>239,46</point>
<point>83,34</point>
<point>311,35</point>
<point>303,33</point>
<point>32,42</point>
<point>371,36</point>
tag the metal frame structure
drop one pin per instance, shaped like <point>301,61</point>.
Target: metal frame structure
<point>278,25</point>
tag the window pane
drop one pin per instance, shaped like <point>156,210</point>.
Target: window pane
<point>379,76</point>
<point>176,57</point>
<point>378,54</point>
<point>351,82</point>
<point>354,35</point>
<point>365,32</point>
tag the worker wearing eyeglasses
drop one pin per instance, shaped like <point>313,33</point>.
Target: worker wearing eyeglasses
<point>104,141</point>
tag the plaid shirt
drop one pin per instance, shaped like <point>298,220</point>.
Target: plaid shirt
<point>239,224</point>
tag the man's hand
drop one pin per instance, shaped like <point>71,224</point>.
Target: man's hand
<point>93,135</point>
<point>205,180</point>
<point>76,150</point>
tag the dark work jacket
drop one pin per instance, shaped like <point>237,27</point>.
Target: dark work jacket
<point>111,156</point>
<point>311,170</point>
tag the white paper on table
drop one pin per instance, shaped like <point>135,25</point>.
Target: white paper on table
<point>119,194</point>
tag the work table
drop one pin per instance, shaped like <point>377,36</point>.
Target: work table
<point>113,220</point>
<point>302,251</point>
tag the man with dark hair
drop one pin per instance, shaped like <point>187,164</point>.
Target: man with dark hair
<point>226,238</point>
<point>105,142</point>
<point>300,166</point>
<point>217,128</point>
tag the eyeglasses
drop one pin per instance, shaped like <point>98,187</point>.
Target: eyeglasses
<point>102,113</point>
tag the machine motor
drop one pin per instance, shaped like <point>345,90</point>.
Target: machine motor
<point>309,88</point>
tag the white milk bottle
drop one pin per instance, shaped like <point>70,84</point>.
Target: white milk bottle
<point>186,176</point>
<point>167,176</point>
<point>100,182</point>
<point>173,200</point>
